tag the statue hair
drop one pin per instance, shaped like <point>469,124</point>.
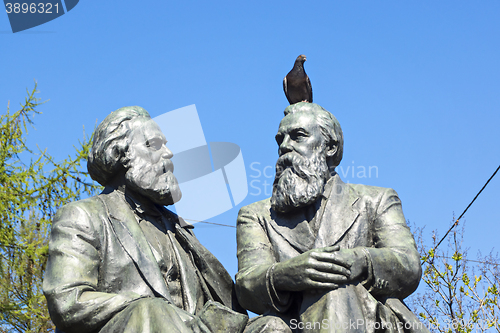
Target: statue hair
<point>108,155</point>
<point>328,124</point>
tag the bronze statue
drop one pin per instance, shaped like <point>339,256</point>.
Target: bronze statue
<point>122,262</point>
<point>321,255</point>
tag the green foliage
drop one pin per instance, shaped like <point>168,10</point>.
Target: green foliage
<point>30,194</point>
<point>460,295</point>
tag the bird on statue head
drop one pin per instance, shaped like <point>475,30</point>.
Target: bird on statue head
<point>296,83</point>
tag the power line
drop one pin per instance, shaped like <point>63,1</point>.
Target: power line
<point>219,224</point>
<point>470,204</point>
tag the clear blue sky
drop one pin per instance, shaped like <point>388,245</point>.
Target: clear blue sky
<point>415,86</point>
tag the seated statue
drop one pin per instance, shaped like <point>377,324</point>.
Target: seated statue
<point>321,255</point>
<point>122,262</point>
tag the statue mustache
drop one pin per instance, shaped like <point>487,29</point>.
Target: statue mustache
<point>168,166</point>
<point>294,163</point>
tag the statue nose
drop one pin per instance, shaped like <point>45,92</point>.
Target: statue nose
<point>285,146</point>
<point>167,153</point>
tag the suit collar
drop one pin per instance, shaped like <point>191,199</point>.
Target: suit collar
<point>140,208</point>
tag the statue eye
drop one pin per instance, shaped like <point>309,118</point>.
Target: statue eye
<point>154,143</point>
<point>298,135</point>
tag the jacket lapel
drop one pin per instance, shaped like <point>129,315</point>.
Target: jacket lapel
<point>133,241</point>
<point>339,215</point>
<point>294,228</point>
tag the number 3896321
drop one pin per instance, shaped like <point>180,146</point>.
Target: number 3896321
<point>32,8</point>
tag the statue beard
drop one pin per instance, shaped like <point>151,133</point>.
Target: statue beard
<point>154,181</point>
<point>299,182</point>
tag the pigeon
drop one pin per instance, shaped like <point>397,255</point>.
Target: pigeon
<point>296,83</point>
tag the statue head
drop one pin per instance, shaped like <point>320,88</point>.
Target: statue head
<point>310,144</point>
<point>329,126</point>
<point>129,149</point>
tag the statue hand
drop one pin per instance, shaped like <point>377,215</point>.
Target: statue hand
<point>355,260</point>
<point>314,269</point>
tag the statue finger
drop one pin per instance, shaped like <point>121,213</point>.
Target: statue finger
<point>333,268</point>
<point>315,285</point>
<point>328,249</point>
<point>325,277</point>
<point>331,258</point>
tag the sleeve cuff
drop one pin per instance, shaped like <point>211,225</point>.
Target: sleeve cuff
<point>280,301</point>
<point>367,282</point>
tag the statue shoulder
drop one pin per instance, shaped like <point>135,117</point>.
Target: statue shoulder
<point>374,193</point>
<point>81,210</point>
<point>85,204</point>
<point>259,208</point>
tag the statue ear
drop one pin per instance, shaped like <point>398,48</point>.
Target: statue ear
<point>115,152</point>
<point>125,160</point>
<point>119,154</point>
<point>331,150</point>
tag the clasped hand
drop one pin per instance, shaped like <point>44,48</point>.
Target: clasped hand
<point>324,268</point>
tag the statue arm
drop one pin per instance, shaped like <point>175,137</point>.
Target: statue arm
<point>71,277</point>
<point>395,262</point>
<point>254,286</point>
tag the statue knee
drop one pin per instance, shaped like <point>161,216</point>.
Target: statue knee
<point>147,304</point>
<point>267,324</point>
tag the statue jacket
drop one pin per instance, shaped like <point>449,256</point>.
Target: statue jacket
<point>352,216</point>
<point>100,261</point>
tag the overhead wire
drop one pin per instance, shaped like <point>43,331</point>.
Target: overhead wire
<point>463,213</point>
<point>207,222</point>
